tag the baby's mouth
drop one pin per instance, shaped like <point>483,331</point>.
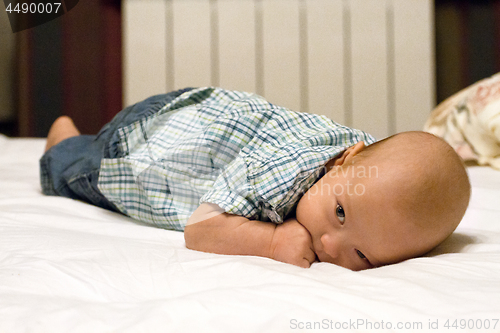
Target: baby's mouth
<point>317,259</point>
<point>320,254</point>
<point>323,257</point>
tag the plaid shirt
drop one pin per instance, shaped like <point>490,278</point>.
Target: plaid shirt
<point>233,149</point>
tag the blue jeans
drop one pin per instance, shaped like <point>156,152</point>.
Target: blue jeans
<point>71,168</point>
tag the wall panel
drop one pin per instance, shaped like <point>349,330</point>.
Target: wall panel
<point>281,54</point>
<point>326,74</point>
<point>369,59</point>
<point>364,63</point>
<point>144,48</point>
<point>192,53</point>
<point>237,44</point>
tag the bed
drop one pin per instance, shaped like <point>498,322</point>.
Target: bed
<point>66,266</point>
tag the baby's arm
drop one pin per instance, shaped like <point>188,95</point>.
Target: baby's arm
<point>210,230</point>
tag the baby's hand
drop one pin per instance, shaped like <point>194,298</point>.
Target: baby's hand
<point>292,244</point>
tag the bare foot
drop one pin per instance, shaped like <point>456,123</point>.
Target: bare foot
<point>62,129</point>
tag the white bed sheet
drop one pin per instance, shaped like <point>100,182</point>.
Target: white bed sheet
<point>66,266</point>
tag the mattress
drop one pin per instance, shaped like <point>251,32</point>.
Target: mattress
<point>66,266</point>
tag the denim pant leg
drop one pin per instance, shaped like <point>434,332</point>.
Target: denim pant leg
<point>71,168</point>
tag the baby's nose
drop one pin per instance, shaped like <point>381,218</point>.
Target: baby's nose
<point>331,246</point>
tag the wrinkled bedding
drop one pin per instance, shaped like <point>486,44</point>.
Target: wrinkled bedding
<point>470,122</point>
<point>66,266</point>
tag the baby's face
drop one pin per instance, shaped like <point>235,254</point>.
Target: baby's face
<point>353,223</point>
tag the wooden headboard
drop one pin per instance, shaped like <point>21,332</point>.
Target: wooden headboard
<point>368,64</point>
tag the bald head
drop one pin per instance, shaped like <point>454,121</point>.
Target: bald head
<point>426,180</point>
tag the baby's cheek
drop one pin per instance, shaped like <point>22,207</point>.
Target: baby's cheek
<point>314,192</point>
<point>310,206</point>
<point>302,210</point>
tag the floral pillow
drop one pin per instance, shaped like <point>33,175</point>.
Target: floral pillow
<point>470,122</point>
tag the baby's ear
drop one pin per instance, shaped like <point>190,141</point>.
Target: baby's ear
<point>349,153</point>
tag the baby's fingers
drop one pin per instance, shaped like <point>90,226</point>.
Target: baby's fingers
<point>308,259</point>
<point>304,263</point>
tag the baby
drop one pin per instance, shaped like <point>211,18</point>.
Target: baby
<point>242,176</point>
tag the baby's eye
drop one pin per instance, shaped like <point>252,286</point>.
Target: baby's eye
<point>339,211</point>
<point>360,254</point>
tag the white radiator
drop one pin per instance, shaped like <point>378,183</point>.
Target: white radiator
<point>363,63</point>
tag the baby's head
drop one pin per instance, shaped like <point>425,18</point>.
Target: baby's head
<point>393,200</point>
